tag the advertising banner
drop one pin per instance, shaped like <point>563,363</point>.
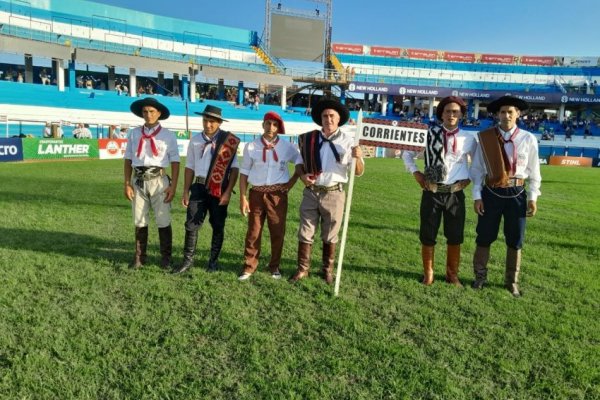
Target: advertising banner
<point>459,57</point>
<point>422,54</point>
<point>347,48</point>
<point>385,51</point>
<point>49,149</point>
<point>531,60</point>
<point>497,59</point>
<point>571,161</point>
<point>392,134</point>
<point>111,148</point>
<point>11,149</point>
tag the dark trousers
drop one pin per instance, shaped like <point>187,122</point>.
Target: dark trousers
<point>201,203</point>
<point>450,206</point>
<point>273,207</point>
<point>510,203</point>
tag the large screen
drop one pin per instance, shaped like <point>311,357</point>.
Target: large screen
<point>297,38</point>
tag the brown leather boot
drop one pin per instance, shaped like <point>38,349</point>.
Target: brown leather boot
<point>328,260</point>
<point>165,236</point>
<point>303,262</point>
<point>513,267</point>
<point>141,244</point>
<point>480,260</point>
<point>427,253</point>
<point>452,264</point>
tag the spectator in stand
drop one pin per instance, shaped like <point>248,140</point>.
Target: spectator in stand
<point>569,133</point>
<point>47,132</point>
<point>256,101</point>
<point>123,133</point>
<point>82,131</point>
<point>20,77</point>
<point>44,77</point>
<point>79,81</point>
<point>587,130</point>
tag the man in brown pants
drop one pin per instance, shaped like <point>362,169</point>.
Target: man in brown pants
<point>265,167</point>
<point>327,156</point>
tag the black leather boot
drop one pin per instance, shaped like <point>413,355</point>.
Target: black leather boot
<point>166,246</point>
<point>189,248</point>
<point>215,249</point>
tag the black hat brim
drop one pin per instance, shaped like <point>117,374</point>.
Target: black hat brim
<point>137,106</point>
<point>495,105</point>
<point>211,115</point>
<point>333,105</point>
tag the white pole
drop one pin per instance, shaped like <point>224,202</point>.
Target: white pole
<point>338,273</point>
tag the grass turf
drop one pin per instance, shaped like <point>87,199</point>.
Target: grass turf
<point>76,323</point>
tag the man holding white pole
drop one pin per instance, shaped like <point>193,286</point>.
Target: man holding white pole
<point>327,156</point>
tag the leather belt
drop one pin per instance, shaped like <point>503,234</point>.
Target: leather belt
<point>324,189</point>
<point>200,179</point>
<point>279,187</point>
<point>514,182</point>
<point>442,188</point>
<point>148,173</point>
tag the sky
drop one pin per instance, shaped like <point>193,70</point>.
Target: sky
<point>519,27</point>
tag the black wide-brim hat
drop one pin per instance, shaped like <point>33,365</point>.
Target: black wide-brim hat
<point>137,106</point>
<point>332,104</point>
<point>212,112</point>
<point>495,105</point>
<point>448,100</point>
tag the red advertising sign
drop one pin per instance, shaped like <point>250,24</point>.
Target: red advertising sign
<point>112,148</point>
<point>531,60</point>
<point>386,51</point>
<point>459,57</point>
<point>347,48</point>
<point>497,59</point>
<point>424,54</point>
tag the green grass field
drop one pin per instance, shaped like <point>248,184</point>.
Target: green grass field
<point>76,323</point>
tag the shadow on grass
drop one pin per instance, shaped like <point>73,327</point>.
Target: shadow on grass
<point>65,243</point>
<point>49,198</point>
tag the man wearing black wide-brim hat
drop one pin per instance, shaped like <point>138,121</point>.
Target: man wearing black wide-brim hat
<point>151,148</point>
<point>211,171</point>
<point>327,154</point>
<point>506,158</point>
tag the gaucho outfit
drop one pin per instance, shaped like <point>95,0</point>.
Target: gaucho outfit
<point>446,173</point>
<point>266,166</point>
<point>328,159</point>
<point>211,159</point>
<point>501,165</point>
<point>151,151</point>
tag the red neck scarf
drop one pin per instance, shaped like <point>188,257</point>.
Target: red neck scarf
<point>269,146</point>
<point>149,137</point>
<point>447,135</point>
<point>513,162</point>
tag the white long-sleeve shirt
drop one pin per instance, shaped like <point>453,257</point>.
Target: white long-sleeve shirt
<point>199,155</point>
<point>528,163</point>
<point>457,163</point>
